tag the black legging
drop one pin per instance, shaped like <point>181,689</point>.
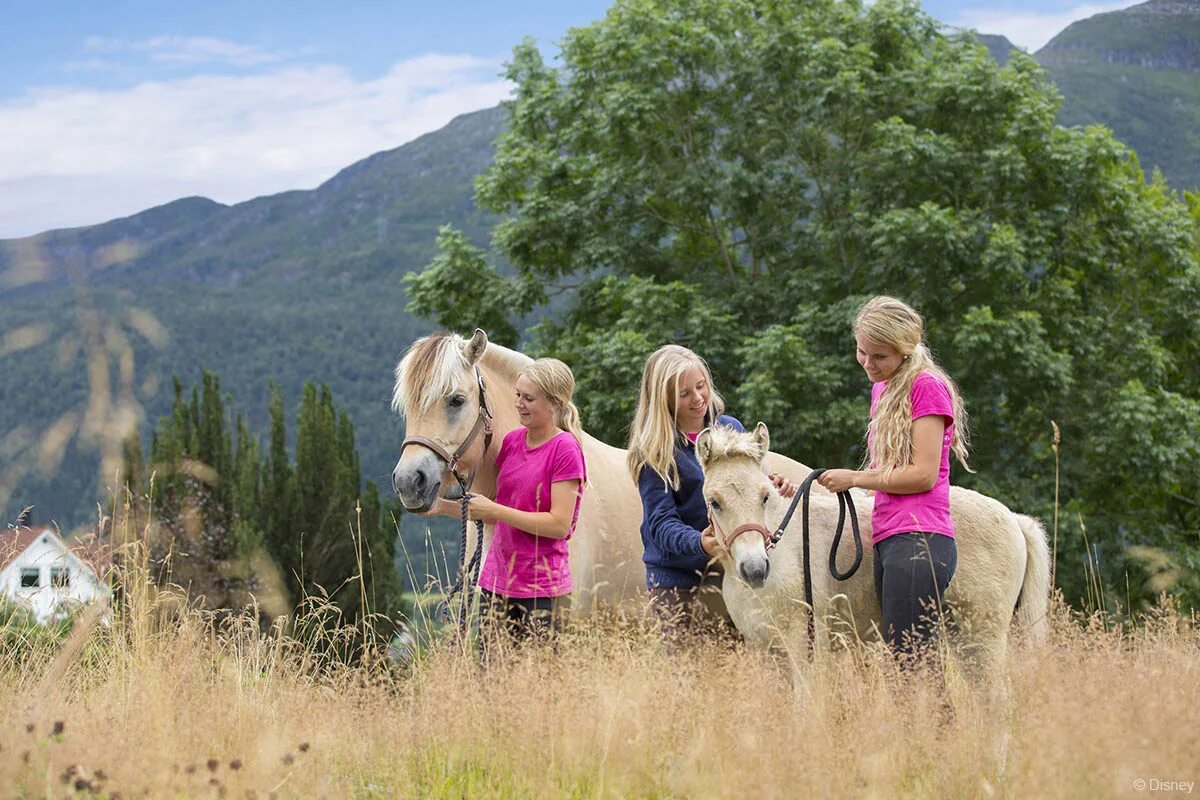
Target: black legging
<point>522,618</point>
<point>912,571</point>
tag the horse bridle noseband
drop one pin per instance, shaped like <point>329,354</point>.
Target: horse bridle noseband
<point>483,421</point>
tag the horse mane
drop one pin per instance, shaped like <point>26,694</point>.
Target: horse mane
<point>429,369</point>
<point>724,442</point>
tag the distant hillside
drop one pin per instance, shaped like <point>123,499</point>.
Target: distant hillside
<point>295,287</point>
<point>1136,71</point>
<point>361,222</point>
<point>999,46</point>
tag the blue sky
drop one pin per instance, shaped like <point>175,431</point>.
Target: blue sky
<point>111,107</point>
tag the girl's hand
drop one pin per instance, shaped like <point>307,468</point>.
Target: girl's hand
<point>482,508</point>
<point>782,485</point>
<point>837,480</point>
<point>446,508</point>
<point>711,544</point>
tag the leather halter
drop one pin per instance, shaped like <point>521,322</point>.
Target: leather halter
<point>727,541</point>
<point>483,421</point>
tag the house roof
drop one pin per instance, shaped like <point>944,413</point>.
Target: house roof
<point>14,541</point>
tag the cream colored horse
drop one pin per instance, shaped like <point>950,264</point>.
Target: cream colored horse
<point>1003,561</point>
<point>438,394</point>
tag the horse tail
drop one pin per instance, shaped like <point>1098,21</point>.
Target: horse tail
<point>1034,600</point>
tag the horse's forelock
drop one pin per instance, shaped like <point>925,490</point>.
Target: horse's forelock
<point>725,443</point>
<point>428,371</point>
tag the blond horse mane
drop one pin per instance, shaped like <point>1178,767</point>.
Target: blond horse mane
<point>725,443</point>
<point>430,368</point>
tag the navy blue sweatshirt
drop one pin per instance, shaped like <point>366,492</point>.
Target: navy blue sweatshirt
<point>672,519</point>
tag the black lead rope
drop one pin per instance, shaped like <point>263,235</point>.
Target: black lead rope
<point>845,506</point>
<point>468,572</point>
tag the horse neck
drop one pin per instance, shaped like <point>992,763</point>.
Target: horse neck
<point>823,512</point>
<point>499,367</point>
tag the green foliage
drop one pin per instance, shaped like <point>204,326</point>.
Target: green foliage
<point>229,526</point>
<point>24,642</point>
<point>739,175</point>
<point>463,292</point>
<point>624,320</point>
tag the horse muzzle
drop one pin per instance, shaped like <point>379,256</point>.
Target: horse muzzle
<point>417,482</point>
<point>754,571</point>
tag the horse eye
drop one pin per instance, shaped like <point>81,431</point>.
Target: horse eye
<point>457,401</point>
<point>764,498</point>
<point>715,505</point>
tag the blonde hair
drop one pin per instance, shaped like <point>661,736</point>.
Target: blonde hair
<point>655,430</point>
<point>888,321</point>
<point>555,380</point>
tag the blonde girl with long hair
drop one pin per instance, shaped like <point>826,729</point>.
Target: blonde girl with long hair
<point>676,401</point>
<point>917,421</point>
<point>526,577</point>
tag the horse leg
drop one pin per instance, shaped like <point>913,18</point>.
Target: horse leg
<point>980,648</point>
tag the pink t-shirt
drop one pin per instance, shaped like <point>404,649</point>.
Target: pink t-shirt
<point>927,511</point>
<point>518,563</point>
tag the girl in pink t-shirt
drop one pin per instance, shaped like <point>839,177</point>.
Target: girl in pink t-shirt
<point>526,577</point>
<point>917,419</point>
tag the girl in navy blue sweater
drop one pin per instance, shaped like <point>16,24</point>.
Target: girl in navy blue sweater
<point>676,401</point>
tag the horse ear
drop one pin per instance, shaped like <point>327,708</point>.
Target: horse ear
<point>474,348</point>
<point>704,447</point>
<point>762,438</point>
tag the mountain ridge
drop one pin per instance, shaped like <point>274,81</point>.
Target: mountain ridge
<point>353,206</point>
<point>1134,71</point>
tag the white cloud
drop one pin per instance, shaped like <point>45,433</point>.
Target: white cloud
<point>187,50</point>
<point>82,156</point>
<point>1031,29</point>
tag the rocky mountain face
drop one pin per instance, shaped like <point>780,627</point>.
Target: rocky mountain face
<point>1155,35</point>
<point>1136,71</point>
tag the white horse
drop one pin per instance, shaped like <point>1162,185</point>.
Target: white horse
<point>1003,562</point>
<point>441,386</point>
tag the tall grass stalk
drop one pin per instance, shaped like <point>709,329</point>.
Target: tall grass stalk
<point>1054,445</point>
<point>168,700</point>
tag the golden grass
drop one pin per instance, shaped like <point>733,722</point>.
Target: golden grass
<point>186,708</point>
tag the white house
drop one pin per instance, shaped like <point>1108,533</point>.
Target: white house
<point>43,573</point>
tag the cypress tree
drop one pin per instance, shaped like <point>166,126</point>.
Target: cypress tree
<point>278,490</point>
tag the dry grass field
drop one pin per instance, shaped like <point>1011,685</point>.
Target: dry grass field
<point>160,704</point>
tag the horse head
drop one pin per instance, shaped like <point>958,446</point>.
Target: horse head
<point>440,393</point>
<point>738,493</point>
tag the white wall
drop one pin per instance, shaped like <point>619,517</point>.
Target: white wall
<point>46,600</point>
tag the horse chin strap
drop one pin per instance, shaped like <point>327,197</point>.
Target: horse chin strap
<point>483,422</point>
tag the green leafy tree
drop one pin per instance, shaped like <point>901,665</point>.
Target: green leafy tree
<point>739,175</point>
<point>331,538</point>
<point>463,291</point>
<point>242,532</point>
